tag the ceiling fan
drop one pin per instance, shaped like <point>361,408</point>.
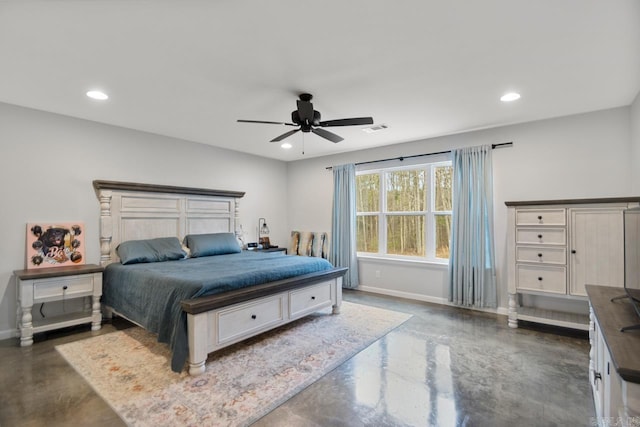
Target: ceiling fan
<point>308,120</point>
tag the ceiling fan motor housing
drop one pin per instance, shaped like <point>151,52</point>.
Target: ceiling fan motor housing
<point>306,126</point>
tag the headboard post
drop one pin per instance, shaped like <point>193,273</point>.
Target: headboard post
<point>106,227</point>
<point>236,219</point>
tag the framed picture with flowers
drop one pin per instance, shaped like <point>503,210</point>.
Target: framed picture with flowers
<point>55,244</point>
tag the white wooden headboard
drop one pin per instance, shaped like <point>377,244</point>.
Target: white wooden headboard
<point>131,211</point>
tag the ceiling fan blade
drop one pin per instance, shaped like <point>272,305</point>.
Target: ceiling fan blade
<point>356,121</point>
<point>266,122</point>
<point>327,135</point>
<point>305,111</point>
<point>284,135</point>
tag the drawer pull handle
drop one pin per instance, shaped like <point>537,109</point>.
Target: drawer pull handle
<point>596,376</point>
<point>253,316</point>
<point>64,288</point>
<point>539,236</point>
<point>313,297</point>
<point>540,217</point>
<point>573,251</point>
<point>540,279</point>
<point>539,255</point>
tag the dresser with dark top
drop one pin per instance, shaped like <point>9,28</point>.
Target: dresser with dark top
<point>614,367</point>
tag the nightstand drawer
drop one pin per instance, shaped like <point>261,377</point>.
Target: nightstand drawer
<point>541,217</point>
<point>541,236</point>
<point>310,299</point>
<point>547,279</point>
<point>62,287</point>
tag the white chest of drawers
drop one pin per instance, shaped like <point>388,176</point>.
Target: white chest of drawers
<point>58,284</point>
<point>555,248</point>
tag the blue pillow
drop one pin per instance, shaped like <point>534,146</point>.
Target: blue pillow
<point>212,244</point>
<point>150,250</point>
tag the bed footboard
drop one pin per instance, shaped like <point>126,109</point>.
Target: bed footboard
<point>218,321</point>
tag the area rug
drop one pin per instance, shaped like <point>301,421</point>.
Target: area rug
<point>131,371</point>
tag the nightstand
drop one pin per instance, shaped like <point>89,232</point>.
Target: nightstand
<point>58,284</point>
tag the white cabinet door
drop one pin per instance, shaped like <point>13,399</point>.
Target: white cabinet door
<point>596,252</point>
<point>612,405</point>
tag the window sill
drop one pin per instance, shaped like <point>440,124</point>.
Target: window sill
<point>397,260</point>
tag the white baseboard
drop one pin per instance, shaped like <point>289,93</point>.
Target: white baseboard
<point>402,294</point>
<point>11,333</point>
<point>426,298</point>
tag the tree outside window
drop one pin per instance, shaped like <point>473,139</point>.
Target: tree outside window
<point>443,190</point>
<point>405,212</point>
<point>368,206</point>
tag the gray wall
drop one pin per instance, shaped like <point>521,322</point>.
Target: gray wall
<point>577,156</point>
<point>634,112</point>
<point>49,161</point>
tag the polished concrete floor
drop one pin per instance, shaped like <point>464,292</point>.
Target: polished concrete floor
<point>443,367</point>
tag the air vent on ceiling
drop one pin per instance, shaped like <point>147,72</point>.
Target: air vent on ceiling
<point>375,128</point>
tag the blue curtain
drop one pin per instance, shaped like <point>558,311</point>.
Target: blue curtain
<point>343,251</point>
<point>472,261</point>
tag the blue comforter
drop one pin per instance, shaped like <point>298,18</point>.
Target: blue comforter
<point>150,293</point>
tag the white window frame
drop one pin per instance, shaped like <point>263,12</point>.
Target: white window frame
<point>429,214</point>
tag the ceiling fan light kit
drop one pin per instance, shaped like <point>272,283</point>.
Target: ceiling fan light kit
<point>306,119</point>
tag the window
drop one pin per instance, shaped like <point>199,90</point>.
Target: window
<point>405,212</point>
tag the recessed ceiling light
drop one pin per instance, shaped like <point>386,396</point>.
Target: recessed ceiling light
<point>286,145</point>
<point>508,97</point>
<point>97,94</point>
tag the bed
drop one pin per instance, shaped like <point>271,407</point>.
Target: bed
<point>216,297</point>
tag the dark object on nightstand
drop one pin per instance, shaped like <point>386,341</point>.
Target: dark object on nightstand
<point>265,243</point>
<point>273,249</point>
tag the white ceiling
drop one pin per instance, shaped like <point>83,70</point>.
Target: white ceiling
<point>189,69</point>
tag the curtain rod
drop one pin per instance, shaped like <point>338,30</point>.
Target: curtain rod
<point>401,158</point>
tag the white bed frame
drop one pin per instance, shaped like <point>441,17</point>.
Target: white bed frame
<point>130,211</point>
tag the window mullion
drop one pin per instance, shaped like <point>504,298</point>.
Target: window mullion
<point>429,223</point>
